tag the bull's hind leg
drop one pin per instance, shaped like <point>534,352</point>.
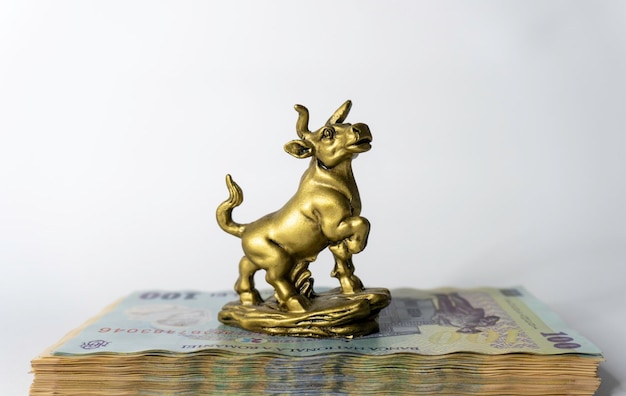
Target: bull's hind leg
<point>278,265</point>
<point>285,291</point>
<point>245,284</point>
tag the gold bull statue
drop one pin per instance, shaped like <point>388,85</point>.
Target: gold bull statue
<point>324,212</point>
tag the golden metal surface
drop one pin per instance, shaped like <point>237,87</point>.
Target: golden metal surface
<point>323,213</point>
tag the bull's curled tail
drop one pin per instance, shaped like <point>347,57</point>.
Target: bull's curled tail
<point>225,210</point>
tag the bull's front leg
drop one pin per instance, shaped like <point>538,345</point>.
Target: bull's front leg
<point>353,243</point>
<point>344,269</point>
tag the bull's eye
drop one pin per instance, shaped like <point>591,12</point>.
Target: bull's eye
<point>328,133</point>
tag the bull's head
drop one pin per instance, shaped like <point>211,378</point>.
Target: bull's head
<point>333,143</point>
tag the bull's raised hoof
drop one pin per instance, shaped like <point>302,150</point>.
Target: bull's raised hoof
<point>331,314</point>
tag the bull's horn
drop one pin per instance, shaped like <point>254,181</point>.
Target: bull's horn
<point>302,125</point>
<point>340,114</point>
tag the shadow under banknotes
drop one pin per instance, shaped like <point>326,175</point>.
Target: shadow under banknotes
<point>609,382</point>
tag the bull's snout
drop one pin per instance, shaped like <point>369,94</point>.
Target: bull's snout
<point>362,138</point>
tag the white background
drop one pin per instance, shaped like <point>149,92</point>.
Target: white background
<point>498,155</point>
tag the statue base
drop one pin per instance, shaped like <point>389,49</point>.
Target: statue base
<point>332,314</point>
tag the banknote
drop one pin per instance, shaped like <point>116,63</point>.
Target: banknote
<point>490,321</point>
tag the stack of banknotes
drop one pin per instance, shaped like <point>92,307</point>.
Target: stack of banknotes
<point>447,341</point>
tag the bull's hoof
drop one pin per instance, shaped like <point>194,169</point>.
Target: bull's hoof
<point>297,303</point>
<point>250,298</point>
<point>351,285</point>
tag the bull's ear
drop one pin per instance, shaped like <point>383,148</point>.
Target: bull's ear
<point>299,148</point>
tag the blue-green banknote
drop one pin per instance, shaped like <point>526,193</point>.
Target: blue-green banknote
<point>486,321</point>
